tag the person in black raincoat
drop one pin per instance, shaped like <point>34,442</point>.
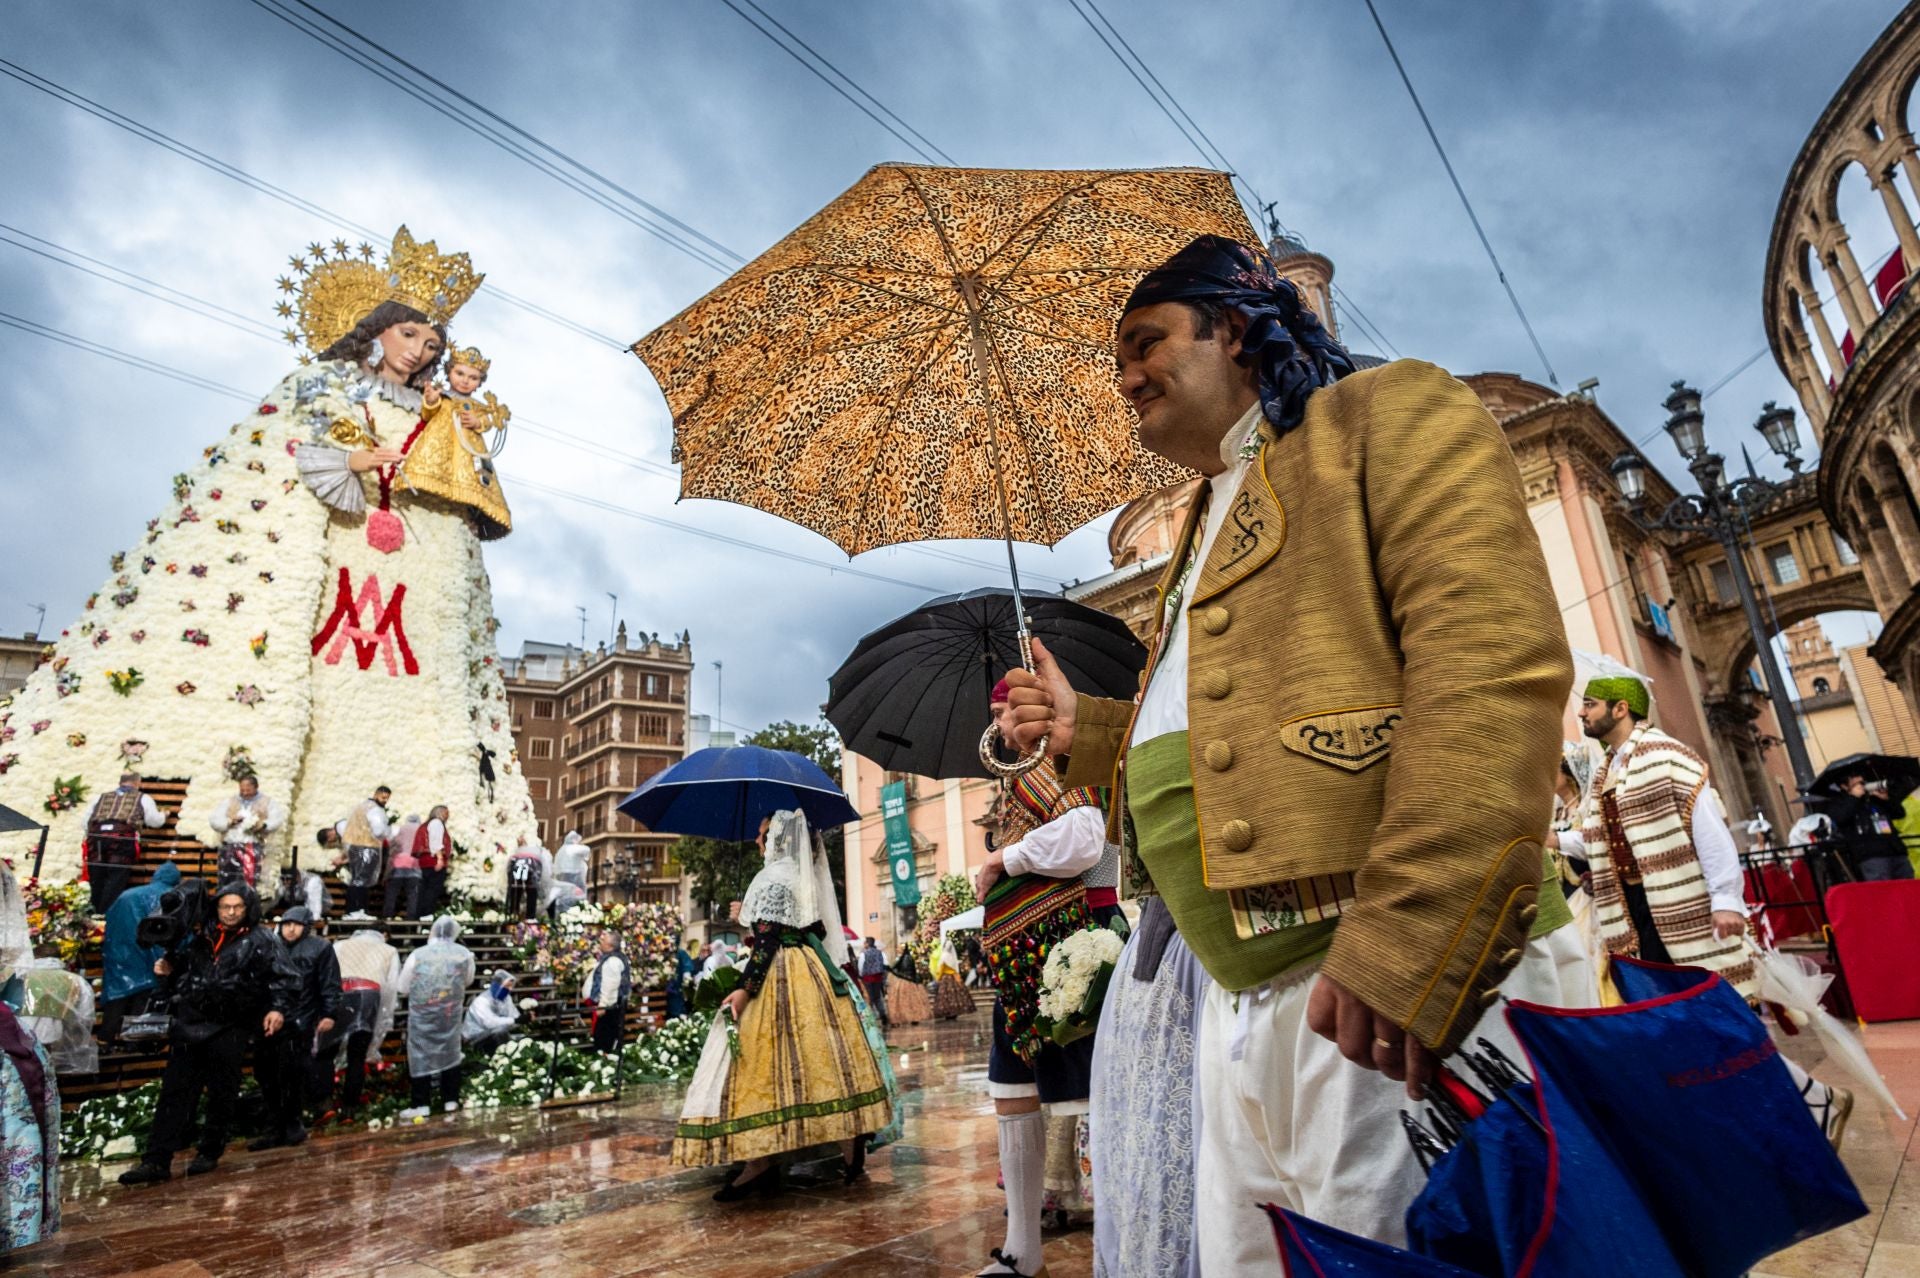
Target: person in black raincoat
<point>225,980</point>
<point>284,1062</point>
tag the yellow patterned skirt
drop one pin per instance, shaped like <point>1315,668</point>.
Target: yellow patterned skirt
<point>805,1075</point>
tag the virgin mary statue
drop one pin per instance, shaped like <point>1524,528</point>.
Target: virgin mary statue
<point>303,611</point>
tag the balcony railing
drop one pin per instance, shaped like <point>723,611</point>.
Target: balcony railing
<point>582,702</point>
<point>577,746</point>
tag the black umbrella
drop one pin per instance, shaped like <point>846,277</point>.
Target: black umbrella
<point>1900,772</point>
<point>11,821</point>
<point>913,696</point>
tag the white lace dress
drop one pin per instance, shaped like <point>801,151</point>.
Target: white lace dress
<point>1145,1118</point>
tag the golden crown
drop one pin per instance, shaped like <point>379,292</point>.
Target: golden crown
<point>332,294</point>
<point>471,357</point>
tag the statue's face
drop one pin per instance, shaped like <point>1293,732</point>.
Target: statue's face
<point>408,347</point>
<point>464,378</point>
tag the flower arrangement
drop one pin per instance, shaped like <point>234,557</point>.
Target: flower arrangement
<point>198,638</point>
<point>125,681</point>
<point>75,740</point>
<point>58,920</point>
<point>258,645</point>
<point>122,598</point>
<point>67,682</point>
<point>248,694</point>
<point>238,763</point>
<point>567,949</point>
<point>952,895</point>
<point>68,793</point>
<point>1074,983</point>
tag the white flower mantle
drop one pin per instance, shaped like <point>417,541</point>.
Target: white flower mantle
<point>245,550</point>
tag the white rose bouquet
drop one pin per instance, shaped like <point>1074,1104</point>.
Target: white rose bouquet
<point>1073,984</point>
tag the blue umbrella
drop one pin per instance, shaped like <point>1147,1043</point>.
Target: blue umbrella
<point>723,792</point>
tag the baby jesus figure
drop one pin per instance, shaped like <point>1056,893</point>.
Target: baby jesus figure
<point>452,458</point>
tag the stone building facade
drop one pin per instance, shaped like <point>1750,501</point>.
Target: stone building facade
<point>590,728</point>
<point>1844,325</point>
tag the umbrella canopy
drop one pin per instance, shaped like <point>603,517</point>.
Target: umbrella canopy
<point>1900,772</point>
<point>12,822</point>
<point>723,792</point>
<point>913,695</point>
<point>877,374</point>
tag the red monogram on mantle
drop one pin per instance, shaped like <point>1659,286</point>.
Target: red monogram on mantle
<point>371,623</point>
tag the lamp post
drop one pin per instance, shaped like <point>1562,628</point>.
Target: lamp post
<point>1719,508</point>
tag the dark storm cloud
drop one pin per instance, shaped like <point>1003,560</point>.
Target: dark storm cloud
<point>1625,157</point>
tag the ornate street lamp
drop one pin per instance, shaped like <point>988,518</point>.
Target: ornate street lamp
<point>1723,509</point>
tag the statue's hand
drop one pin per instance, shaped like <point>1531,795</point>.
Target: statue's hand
<point>362,460</point>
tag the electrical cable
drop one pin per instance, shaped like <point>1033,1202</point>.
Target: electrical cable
<point>483,131</point>
<point>1461,191</point>
<point>926,152</point>
<point>132,361</point>
<point>146,133</point>
<point>264,332</point>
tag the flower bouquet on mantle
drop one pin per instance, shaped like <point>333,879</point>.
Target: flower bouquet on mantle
<point>1073,984</point>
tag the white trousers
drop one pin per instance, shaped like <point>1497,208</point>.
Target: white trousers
<point>1292,1122</point>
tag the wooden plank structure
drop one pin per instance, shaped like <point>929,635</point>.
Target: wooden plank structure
<point>126,1066</point>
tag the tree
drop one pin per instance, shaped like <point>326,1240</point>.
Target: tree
<point>720,870</point>
<point>821,743</point>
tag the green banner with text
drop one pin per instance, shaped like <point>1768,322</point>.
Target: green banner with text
<point>893,818</point>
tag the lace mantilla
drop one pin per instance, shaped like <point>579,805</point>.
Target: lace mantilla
<point>773,897</point>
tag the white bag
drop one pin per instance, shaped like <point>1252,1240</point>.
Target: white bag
<point>1796,983</point>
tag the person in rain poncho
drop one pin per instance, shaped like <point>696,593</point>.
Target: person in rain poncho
<point>807,1073</point>
<point>491,1014</point>
<point>369,989</point>
<point>571,865</point>
<point>529,871</point>
<point>127,978</point>
<point>434,982</point>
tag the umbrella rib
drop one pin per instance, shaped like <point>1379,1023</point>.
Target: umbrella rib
<point>832,272</point>
<point>1013,407</point>
<point>877,341</point>
<point>1052,208</point>
<point>933,220</point>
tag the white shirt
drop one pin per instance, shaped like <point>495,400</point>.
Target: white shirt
<point>242,830</point>
<point>436,836</point>
<point>612,969</point>
<point>1164,707</point>
<point>1712,841</point>
<point>1069,844</point>
<point>149,814</point>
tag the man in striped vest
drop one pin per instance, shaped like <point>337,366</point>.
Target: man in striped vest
<point>1666,873</point>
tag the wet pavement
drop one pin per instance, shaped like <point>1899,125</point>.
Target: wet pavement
<point>589,1192</point>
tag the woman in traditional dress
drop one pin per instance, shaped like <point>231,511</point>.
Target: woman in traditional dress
<point>907,1001</point>
<point>806,1072</point>
<point>300,610</point>
<point>434,982</point>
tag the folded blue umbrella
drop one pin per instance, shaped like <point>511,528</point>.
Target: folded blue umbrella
<point>1663,1138</point>
<point>724,792</point>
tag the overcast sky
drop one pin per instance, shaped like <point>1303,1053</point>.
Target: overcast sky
<point>1625,157</point>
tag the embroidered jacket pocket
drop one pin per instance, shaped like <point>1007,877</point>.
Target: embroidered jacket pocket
<point>1349,739</point>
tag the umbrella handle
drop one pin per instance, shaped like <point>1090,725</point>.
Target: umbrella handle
<point>991,758</point>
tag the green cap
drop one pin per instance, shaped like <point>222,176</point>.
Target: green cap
<point>1612,688</point>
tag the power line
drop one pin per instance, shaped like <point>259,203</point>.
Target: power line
<point>792,556</point>
<point>1202,142</point>
<point>1461,191</point>
<point>483,130</point>
<point>232,172</point>
<point>186,302</point>
<point>926,152</point>
<point>131,361</point>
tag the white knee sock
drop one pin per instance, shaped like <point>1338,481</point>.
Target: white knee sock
<point>1814,1092</point>
<point>1023,1164</point>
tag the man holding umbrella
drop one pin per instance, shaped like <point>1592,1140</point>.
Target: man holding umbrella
<point>1341,766</point>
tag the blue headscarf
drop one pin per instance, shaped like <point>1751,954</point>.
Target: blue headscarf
<point>1285,342</point>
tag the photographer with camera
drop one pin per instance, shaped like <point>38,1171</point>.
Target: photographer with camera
<point>223,979</point>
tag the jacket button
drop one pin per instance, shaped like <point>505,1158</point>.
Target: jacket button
<point>1237,835</point>
<point>1509,958</point>
<point>1214,620</point>
<point>1528,913</point>
<point>1489,996</point>
<point>1216,684</point>
<point>1219,755</point>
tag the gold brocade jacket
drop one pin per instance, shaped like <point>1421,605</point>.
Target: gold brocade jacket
<point>1377,673</point>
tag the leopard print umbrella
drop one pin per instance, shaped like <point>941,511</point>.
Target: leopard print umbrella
<point>868,375</point>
